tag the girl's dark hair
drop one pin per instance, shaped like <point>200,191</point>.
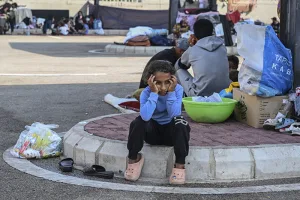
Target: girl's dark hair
<point>234,60</point>
<point>158,66</point>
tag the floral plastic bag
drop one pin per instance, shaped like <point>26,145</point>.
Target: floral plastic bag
<point>38,141</point>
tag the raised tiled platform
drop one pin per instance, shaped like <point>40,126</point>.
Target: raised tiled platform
<point>230,133</point>
<point>227,151</point>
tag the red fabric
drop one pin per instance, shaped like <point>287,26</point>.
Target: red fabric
<point>131,105</point>
<point>234,17</point>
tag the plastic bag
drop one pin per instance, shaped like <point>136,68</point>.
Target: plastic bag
<point>97,24</point>
<point>267,69</point>
<point>99,31</point>
<point>38,141</point>
<point>187,35</point>
<point>227,93</point>
<point>215,97</point>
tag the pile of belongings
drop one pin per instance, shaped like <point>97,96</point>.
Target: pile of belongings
<point>214,17</point>
<point>146,36</point>
<point>282,122</point>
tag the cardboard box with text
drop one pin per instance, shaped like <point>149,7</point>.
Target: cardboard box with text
<point>254,110</point>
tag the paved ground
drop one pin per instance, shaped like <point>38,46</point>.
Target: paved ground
<point>66,99</point>
<point>231,133</point>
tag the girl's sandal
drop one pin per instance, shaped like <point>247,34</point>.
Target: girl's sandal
<point>177,177</point>
<point>134,170</point>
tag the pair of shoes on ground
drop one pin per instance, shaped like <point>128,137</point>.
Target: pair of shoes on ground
<point>283,125</point>
<point>66,165</point>
<point>294,129</point>
<point>134,170</point>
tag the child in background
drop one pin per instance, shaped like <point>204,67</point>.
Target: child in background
<point>234,75</point>
<point>233,68</point>
<point>160,122</point>
<point>233,63</point>
<point>63,29</point>
<point>85,26</point>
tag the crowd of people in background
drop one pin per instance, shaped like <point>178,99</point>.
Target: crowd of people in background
<point>68,26</point>
<point>65,26</point>
<point>8,12</point>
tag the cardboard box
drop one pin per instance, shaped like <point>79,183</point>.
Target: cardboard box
<point>254,110</point>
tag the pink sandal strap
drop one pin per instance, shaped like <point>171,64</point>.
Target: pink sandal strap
<point>177,176</point>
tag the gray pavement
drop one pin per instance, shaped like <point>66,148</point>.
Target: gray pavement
<point>66,100</point>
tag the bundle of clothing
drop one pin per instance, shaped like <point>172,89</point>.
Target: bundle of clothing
<point>191,19</point>
<point>146,36</point>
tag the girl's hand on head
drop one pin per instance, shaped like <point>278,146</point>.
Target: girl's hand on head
<point>152,84</point>
<point>173,83</point>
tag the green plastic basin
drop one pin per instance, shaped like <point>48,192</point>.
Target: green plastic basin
<point>207,112</point>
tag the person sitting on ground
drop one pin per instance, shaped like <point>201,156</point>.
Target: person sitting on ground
<point>180,28</point>
<point>208,58</point>
<point>78,19</point>
<point>62,29</point>
<point>160,122</point>
<point>70,24</point>
<point>85,30</point>
<point>234,75</point>
<point>12,17</point>
<point>233,62</point>
<point>171,55</point>
<point>233,68</point>
<point>48,24</point>
<point>90,21</point>
<point>275,25</point>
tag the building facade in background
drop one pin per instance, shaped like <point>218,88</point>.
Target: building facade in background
<point>264,9</point>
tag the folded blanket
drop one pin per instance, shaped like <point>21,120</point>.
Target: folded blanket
<point>124,105</point>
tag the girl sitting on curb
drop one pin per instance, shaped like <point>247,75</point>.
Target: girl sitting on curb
<point>160,122</point>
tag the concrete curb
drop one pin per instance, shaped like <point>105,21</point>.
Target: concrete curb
<point>26,166</point>
<point>148,51</point>
<point>107,32</point>
<point>219,163</point>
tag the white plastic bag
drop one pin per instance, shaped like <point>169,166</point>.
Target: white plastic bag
<point>267,69</point>
<point>99,31</point>
<point>215,98</point>
<point>38,141</point>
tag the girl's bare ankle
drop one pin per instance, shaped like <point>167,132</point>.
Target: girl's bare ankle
<point>179,166</point>
<point>130,161</point>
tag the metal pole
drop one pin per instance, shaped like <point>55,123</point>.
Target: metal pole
<point>96,2</point>
<point>289,32</point>
<point>173,10</point>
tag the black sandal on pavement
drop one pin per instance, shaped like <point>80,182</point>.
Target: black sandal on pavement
<point>66,165</point>
<point>98,171</point>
